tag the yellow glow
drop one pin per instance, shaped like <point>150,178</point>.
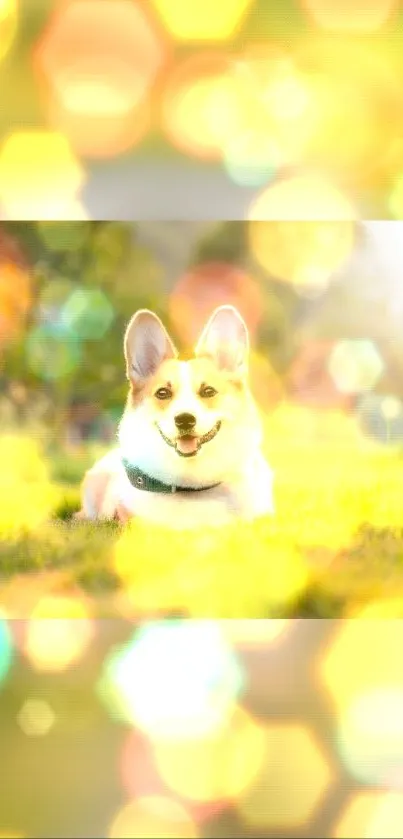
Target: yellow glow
<point>153,817</point>
<point>281,110</point>
<point>95,128</point>
<point>36,718</point>
<point>303,253</point>
<point>202,20</point>
<point>370,736</point>
<point>27,493</point>
<point>58,634</point>
<point>306,197</point>
<point>355,366</point>
<point>177,575</point>
<point>357,122</point>
<point>291,782</point>
<point>39,174</point>
<point>395,200</point>
<point>372,815</point>
<point>359,16</point>
<point>362,657</point>
<point>218,766</point>
<point>94,96</point>
<point>388,607</point>
<point>8,25</point>
<point>201,107</point>
<point>109,40</point>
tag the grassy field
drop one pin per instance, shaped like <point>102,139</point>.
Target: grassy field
<point>335,547</point>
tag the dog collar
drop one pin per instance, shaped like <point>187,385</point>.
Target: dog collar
<point>140,480</point>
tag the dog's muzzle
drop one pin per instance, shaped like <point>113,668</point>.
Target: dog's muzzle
<point>195,443</point>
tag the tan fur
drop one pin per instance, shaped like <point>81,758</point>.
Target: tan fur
<point>231,458</point>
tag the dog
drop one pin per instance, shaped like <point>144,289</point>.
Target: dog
<point>189,442</point>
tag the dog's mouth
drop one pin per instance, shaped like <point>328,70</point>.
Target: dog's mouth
<point>188,445</point>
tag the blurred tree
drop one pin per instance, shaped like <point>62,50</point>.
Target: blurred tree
<point>85,361</point>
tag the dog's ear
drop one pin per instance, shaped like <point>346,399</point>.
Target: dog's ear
<point>146,345</point>
<point>225,339</point>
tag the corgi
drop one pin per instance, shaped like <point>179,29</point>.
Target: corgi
<point>189,442</point>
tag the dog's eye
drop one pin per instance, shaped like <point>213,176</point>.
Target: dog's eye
<point>163,393</point>
<point>206,391</point>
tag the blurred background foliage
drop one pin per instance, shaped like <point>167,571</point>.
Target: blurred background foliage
<point>75,287</point>
<point>68,290</point>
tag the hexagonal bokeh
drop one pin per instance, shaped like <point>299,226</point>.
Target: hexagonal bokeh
<point>291,782</point>
<point>202,20</point>
<point>39,175</point>
<point>362,657</point>
<point>355,365</point>
<point>98,59</point>
<point>49,356</point>
<point>87,313</point>
<point>202,679</point>
<point>83,33</point>
<point>370,737</point>
<point>372,814</point>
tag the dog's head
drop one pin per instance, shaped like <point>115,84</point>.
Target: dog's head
<point>194,420</point>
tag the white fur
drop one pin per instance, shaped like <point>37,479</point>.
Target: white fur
<point>233,458</point>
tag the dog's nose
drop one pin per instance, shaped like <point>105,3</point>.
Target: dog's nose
<point>185,422</point>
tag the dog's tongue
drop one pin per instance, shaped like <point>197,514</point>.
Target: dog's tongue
<point>187,444</point>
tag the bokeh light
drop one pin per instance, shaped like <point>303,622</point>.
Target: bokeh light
<point>281,108</point>
<point>381,417</point>
<point>357,16</point>
<point>36,718</point>
<point>301,197</point>
<point>355,366</point>
<point>306,254</point>
<point>174,680</point>
<point>39,175</point>
<point>8,25</point>
<point>153,817</point>
<point>27,493</point>
<point>200,109</point>
<point>6,648</point>
<point>87,314</point>
<point>285,794</point>
<point>15,298</point>
<point>99,59</point>
<point>358,114</point>
<point>363,656</point>
<point>51,355</point>
<point>218,767</point>
<point>203,572</point>
<point>207,286</point>
<point>141,777</point>
<point>370,737</point>
<point>373,814</point>
<point>251,159</point>
<point>203,20</point>
<point>58,634</point>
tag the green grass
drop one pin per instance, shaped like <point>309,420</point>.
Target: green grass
<point>334,546</point>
